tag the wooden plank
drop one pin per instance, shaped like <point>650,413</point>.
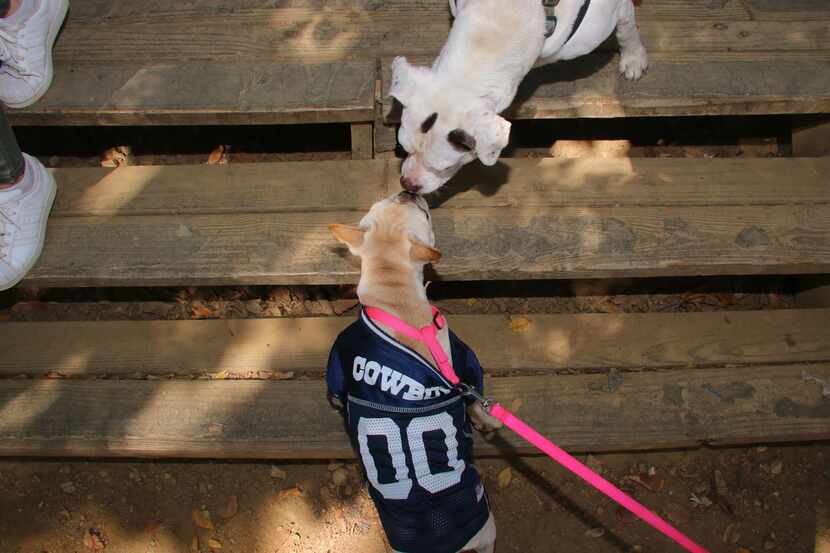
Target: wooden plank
<point>326,33</point>
<point>717,85</point>
<point>811,136</point>
<point>238,93</point>
<point>478,244</point>
<point>245,419</point>
<point>107,9</point>
<point>233,188</point>
<point>594,182</point>
<point>362,140</point>
<point>355,185</point>
<point>301,346</point>
<point>789,10</point>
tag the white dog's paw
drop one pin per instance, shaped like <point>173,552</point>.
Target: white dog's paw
<point>633,63</point>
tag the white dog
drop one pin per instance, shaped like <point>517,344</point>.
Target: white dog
<point>451,110</point>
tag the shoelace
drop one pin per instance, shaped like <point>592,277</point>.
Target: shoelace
<point>6,222</point>
<point>12,51</point>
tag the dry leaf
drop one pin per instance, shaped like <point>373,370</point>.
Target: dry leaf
<point>202,519</point>
<point>505,477</point>
<point>194,545</point>
<point>221,375</point>
<point>200,310</point>
<point>519,324</point>
<point>231,508</point>
<point>116,157</point>
<point>93,540</point>
<point>744,550</point>
<point>219,155</point>
<point>278,474</point>
<point>214,544</point>
<point>291,492</point>
<point>595,533</point>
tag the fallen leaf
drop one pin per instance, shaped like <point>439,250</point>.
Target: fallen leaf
<point>219,155</point>
<point>519,324</point>
<point>93,540</point>
<point>231,508</point>
<point>744,550</point>
<point>116,157</point>
<point>201,310</point>
<point>214,544</point>
<point>221,375</point>
<point>202,519</point>
<point>505,477</point>
<point>595,533</point>
<point>278,473</point>
<point>776,467</point>
<point>194,545</point>
<point>291,492</point>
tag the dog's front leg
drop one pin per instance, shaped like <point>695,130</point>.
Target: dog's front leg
<point>633,56</point>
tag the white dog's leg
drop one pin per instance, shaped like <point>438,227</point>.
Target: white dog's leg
<point>633,57</point>
<point>485,540</point>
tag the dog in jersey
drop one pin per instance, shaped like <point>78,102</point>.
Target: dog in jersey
<point>451,110</point>
<point>411,427</point>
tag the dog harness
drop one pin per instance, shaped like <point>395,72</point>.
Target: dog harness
<point>428,335</point>
<point>409,425</point>
<point>550,17</point>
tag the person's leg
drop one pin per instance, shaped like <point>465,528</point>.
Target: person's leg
<point>12,164</point>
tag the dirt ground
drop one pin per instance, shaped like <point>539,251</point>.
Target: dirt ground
<point>734,500</point>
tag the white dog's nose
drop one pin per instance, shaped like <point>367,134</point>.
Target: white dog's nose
<point>409,185</point>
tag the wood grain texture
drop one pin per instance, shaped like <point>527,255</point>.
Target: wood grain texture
<point>238,93</point>
<point>478,243</point>
<point>362,135</point>
<point>258,420</point>
<point>234,188</point>
<point>561,219</point>
<point>354,30</point>
<point>729,84</point>
<point>301,346</point>
<point>518,183</point>
<point>306,61</point>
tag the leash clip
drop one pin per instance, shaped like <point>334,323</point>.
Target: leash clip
<point>469,391</point>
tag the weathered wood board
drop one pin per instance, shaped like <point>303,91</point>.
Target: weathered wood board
<point>306,61</point>
<point>205,93</point>
<point>675,85</point>
<point>529,344</point>
<point>262,419</point>
<point>554,219</point>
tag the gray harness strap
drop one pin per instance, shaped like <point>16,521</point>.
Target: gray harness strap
<point>550,17</point>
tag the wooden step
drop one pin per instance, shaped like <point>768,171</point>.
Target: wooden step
<point>657,381</point>
<point>141,226</point>
<point>249,62</point>
<point>517,345</point>
<point>677,84</point>
<point>267,419</point>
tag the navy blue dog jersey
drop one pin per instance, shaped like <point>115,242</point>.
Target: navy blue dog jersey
<point>411,429</point>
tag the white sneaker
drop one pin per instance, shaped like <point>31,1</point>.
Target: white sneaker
<point>24,211</point>
<point>26,52</point>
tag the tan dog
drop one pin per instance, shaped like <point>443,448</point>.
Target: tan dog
<point>394,242</point>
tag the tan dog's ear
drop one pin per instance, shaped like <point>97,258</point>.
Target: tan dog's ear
<point>351,236</point>
<point>423,253</point>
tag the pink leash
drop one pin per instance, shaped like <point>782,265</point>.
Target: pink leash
<point>429,336</point>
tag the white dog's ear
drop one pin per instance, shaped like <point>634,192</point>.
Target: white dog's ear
<point>491,133</point>
<point>406,79</point>
<point>422,253</point>
<point>351,236</point>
